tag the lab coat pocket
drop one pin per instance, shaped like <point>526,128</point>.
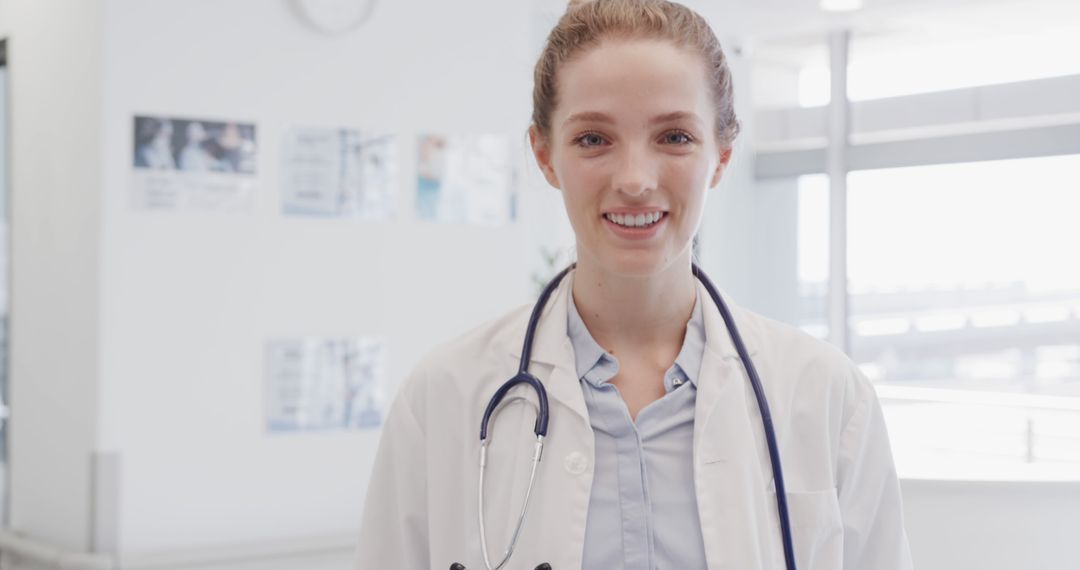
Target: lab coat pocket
<point>816,528</point>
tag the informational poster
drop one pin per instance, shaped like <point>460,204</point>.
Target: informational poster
<point>325,383</point>
<point>465,179</point>
<point>193,165</point>
<point>339,173</point>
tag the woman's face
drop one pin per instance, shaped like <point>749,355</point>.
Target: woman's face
<point>633,140</point>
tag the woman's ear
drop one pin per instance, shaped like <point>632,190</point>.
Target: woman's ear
<point>542,151</point>
<point>725,158</point>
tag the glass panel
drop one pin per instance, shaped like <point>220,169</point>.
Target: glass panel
<point>965,305</point>
<point>910,62</point>
<point>814,254</point>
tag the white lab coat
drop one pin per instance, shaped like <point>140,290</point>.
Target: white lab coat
<point>843,495</point>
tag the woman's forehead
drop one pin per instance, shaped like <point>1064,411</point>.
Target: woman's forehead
<point>624,78</point>
<point>688,116</point>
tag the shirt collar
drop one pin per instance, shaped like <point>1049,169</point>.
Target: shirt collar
<point>689,358</point>
<point>588,354</point>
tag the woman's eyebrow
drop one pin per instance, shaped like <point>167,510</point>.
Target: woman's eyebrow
<point>592,116</point>
<point>598,117</point>
<point>675,116</point>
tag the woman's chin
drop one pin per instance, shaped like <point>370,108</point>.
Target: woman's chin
<point>637,264</point>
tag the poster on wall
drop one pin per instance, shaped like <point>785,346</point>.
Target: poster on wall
<point>325,383</point>
<point>339,173</point>
<point>465,179</point>
<point>193,165</point>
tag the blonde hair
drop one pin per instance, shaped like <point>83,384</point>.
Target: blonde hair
<point>587,22</point>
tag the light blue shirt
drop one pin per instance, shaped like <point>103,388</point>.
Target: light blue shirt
<point>643,509</point>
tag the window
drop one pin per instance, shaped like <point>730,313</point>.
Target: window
<point>962,277</point>
<point>965,309</point>
<point>962,296</point>
<point>813,255</point>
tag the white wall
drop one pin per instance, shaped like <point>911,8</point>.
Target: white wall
<point>188,298</point>
<point>198,354</point>
<point>56,89</point>
<point>991,525</point>
<point>749,233</point>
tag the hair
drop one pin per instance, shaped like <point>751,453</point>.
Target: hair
<point>587,22</point>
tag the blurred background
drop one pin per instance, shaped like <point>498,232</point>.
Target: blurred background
<point>230,227</point>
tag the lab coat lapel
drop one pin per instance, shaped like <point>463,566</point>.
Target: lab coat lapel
<point>732,473</point>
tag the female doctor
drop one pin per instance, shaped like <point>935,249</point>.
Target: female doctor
<point>655,454</point>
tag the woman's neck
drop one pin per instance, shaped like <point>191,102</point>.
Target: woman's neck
<point>631,312</point>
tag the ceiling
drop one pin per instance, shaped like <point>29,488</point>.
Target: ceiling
<point>795,29</point>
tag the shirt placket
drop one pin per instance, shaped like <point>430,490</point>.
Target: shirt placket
<point>633,483</point>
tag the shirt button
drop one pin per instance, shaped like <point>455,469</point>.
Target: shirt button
<point>575,463</point>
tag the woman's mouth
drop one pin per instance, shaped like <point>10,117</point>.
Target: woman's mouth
<point>632,221</point>
<point>635,226</point>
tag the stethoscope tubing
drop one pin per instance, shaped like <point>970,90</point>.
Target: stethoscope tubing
<point>523,376</point>
<point>542,417</point>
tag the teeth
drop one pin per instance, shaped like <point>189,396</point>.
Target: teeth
<point>638,221</point>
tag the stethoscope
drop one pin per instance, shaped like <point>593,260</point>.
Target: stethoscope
<point>540,429</point>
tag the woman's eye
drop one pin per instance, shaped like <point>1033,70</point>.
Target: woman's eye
<point>589,139</point>
<point>677,137</point>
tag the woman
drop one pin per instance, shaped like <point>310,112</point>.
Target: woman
<point>655,455</point>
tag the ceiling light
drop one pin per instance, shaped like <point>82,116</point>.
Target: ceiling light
<point>840,5</point>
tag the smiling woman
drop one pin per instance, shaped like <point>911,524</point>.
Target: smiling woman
<point>666,455</point>
<point>631,138</point>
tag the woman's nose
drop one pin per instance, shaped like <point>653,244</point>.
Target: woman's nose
<point>636,171</point>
